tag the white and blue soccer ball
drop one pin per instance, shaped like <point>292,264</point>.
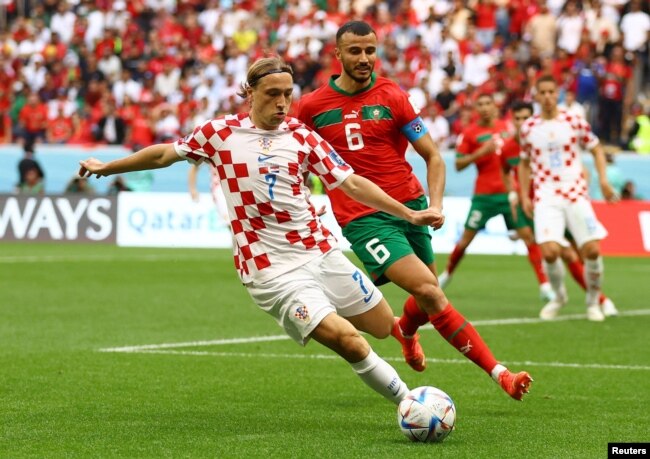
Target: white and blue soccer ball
<point>426,414</point>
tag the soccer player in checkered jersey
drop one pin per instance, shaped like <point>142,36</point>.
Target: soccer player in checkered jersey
<point>370,121</point>
<point>286,258</point>
<point>551,144</point>
<point>510,159</point>
<point>481,144</point>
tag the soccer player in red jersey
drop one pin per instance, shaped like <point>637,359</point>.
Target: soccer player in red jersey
<point>369,121</point>
<point>510,158</point>
<point>285,257</point>
<point>481,144</point>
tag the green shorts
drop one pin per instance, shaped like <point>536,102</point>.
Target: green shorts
<point>486,206</point>
<point>380,239</point>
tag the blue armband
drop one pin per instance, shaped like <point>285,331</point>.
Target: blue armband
<point>415,129</point>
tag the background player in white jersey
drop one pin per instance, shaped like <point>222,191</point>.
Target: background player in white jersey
<point>551,144</point>
<point>285,257</point>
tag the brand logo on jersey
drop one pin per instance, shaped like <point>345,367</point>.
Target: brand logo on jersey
<point>263,158</point>
<point>354,114</point>
<point>336,158</point>
<point>265,144</point>
<point>302,313</point>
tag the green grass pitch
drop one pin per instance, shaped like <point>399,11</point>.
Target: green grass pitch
<point>62,397</point>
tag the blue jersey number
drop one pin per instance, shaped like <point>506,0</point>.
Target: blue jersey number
<point>270,179</point>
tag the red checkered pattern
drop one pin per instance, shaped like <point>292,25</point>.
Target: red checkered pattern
<point>553,147</point>
<point>275,228</point>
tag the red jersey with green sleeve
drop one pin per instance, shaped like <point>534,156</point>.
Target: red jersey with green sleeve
<point>489,179</point>
<point>370,130</point>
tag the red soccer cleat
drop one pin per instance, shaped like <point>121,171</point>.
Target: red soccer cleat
<point>413,353</point>
<point>515,384</point>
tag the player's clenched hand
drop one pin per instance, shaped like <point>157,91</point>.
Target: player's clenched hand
<point>428,217</point>
<point>90,166</point>
<point>609,193</point>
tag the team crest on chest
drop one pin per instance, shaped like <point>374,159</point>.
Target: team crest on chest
<point>375,114</point>
<point>265,144</point>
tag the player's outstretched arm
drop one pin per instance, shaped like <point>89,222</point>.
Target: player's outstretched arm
<point>152,157</point>
<point>366,192</point>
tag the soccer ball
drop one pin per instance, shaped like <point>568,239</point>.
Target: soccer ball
<point>426,414</point>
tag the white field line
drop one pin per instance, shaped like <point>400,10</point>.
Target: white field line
<point>258,339</point>
<point>248,355</point>
<point>93,258</point>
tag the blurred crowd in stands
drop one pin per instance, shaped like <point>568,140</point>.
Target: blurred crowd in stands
<point>143,71</point>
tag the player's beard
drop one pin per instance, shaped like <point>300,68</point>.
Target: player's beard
<point>350,69</point>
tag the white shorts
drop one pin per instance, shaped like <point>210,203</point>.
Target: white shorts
<point>301,298</point>
<point>555,215</point>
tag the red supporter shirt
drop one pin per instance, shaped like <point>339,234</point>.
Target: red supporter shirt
<point>33,117</point>
<point>365,128</point>
<point>489,179</point>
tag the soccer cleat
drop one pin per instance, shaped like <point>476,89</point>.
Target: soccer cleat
<point>411,348</point>
<point>444,279</point>
<point>550,310</point>
<point>594,313</point>
<point>546,292</point>
<point>515,384</point>
<point>608,308</point>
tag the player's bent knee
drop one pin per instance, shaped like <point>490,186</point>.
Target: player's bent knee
<point>353,347</point>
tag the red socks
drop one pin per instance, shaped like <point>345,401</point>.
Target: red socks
<point>454,259</point>
<point>413,317</point>
<point>463,336</point>
<point>535,258</point>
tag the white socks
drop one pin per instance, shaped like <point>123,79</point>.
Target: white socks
<point>496,371</point>
<point>593,278</point>
<point>555,273</point>
<point>381,377</point>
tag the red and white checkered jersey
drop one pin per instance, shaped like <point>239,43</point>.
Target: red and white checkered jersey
<point>274,225</point>
<point>554,147</point>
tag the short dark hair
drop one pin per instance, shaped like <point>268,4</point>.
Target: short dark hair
<point>519,105</point>
<point>359,28</point>
<point>545,79</point>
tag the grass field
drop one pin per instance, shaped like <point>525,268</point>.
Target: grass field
<point>224,394</point>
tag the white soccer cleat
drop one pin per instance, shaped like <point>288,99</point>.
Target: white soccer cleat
<point>608,308</point>
<point>594,313</point>
<point>546,292</point>
<point>444,279</point>
<point>550,310</point>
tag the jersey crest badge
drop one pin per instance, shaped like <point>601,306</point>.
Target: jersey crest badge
<point>375,114</point>
<point>265,144</point>
<point>302,313</point>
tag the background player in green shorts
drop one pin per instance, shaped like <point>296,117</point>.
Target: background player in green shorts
<point>369,121</point>
<point>481,144</point>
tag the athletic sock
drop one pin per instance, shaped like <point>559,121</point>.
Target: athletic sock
<point>455,257</point>
<point>412,318</point>
<point>535,259</point>
<point>593,278</point>
<point>555,272</point>
<point>381,377</point>
<point>577,270</point>
<point>463,336</point>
